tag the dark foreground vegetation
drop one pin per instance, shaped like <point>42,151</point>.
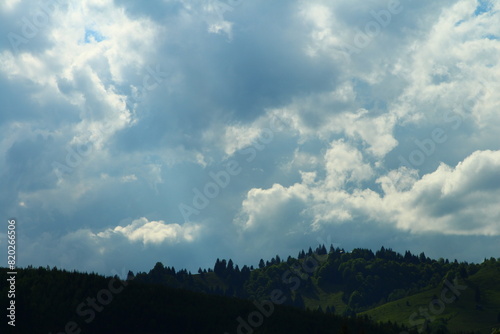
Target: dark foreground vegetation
<point>55,301</point>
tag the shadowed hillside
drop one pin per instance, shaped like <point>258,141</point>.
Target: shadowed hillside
<point>56,301</point>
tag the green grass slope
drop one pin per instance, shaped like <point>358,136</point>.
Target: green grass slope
<point>477,307</point>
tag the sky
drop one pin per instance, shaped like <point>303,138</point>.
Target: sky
<point>183,131</point>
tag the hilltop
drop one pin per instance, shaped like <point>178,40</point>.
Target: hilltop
<point>383,285</point>
<point>319,291</point>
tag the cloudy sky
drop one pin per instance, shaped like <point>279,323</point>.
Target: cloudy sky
<point>182,131</point>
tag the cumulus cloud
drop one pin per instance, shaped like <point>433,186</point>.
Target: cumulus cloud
<point>154,232</point>
<point>460,200</point>
<point>265,206</point>
<point>344,164</point>
<point>456,201</point>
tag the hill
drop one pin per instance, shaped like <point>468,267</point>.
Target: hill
<point>57,301</point>
<point>475,308</point>
<point>384,285</point>
<point>320,291</point>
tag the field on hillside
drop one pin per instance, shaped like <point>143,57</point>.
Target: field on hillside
<point>477,307</point>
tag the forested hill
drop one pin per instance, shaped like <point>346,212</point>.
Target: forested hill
<point>320,291</point>
<point>365,278</point>
<point>346,283</point>
<point>57,301</point>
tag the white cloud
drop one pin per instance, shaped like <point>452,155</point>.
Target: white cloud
<point>453,67</point>
<point>461,200</point>
<point>450,201</point>
<point>9,5</point>
<point>129,178</point>
<point>237,137</point>
<point>268,207</point>
<point>154,232</point>
<point>343,164</point>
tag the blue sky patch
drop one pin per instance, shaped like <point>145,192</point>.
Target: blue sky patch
<point>93,35</point>
<point>484,6</point>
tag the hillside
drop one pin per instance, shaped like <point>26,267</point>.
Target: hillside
<point>476,309</point>
<point>320,291</point>
<point>383,285</point>
<point>56,301</point>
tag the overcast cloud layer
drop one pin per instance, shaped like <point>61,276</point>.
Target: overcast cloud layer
<point>185,130</point>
